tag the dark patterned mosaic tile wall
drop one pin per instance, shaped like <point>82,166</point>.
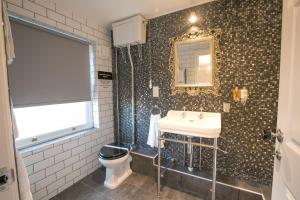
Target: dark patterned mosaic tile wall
<point>250,56</point>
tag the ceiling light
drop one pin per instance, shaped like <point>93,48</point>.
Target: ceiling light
<point>193,18</point>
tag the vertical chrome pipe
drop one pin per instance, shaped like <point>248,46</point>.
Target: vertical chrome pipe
<point>200,155</point>
<point>190,151</point>
<point>132,96</point>
<point>158,165</point>
<point>184,152</point>
<point>117,93</point>
<point>213,195</point>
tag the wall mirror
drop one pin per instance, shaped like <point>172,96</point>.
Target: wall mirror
<point>194,63</point>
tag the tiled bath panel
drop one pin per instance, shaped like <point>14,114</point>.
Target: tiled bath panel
<point>187,182</point>
<point>250,57</point>
<point>139,187</point>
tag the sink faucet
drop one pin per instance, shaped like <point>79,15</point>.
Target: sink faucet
<point>201,115</point>
<point>183,114</point>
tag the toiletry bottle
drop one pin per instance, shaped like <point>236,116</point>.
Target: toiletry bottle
<point>244,95</point>
<point>236,94</point>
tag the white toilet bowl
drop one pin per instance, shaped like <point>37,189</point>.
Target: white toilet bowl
<point>117,162</point>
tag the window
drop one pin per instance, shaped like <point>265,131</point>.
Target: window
<point>49,83</point>
<point>41,123</point>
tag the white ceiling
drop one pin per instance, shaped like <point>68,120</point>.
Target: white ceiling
<point>108,11</point>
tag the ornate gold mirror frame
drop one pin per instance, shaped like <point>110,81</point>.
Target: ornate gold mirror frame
<point>193,91</point>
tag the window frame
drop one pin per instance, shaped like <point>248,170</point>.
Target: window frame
<point>38,139</point>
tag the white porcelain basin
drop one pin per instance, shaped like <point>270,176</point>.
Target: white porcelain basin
<point>190,124</point>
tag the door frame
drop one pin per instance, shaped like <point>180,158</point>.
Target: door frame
<point>7,148</point>
<point>279,189</point>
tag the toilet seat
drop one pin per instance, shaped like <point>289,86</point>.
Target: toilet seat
<point>112,153</point>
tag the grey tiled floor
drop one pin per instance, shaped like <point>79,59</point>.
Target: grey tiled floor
<point>135,187</point>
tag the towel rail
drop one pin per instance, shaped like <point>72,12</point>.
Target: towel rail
<point>156,107</point>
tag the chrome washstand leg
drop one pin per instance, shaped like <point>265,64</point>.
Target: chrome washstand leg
<point>213,195</point>
<point>190,151</point>
<point>184,152</point>
<point>200,155</point>
<point>158,165</point>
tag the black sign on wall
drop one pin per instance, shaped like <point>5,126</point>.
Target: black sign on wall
<point>104,75</point>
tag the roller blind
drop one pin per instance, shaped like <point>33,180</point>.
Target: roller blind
<point>48,69</point>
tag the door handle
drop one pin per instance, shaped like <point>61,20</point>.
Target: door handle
<point>6,178</point>
<point>3,180</point>
<point>277,155</point>
<point>267,134</point>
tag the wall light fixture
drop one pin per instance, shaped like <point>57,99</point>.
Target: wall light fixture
<point>193,18</point>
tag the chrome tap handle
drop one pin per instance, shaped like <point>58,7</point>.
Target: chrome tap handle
<point>201,113</point>
<point>183,114</point>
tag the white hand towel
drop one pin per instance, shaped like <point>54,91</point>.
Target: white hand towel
<point>153,132</point>
<point>9,43</point>
<point>24,185</point>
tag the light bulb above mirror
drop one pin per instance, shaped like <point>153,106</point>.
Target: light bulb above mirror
<point>193,18</point>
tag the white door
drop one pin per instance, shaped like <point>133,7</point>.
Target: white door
<point>7,158</point>
<point>286,181</point>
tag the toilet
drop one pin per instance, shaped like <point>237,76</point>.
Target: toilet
<point>117,162</point>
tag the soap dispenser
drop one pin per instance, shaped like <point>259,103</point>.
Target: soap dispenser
<point>244,95</point>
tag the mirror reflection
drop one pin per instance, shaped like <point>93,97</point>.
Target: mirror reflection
<point>194,63</point>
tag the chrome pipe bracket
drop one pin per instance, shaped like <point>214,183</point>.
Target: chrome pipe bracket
<point>225,152</point>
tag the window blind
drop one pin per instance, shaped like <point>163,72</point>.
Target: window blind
<point>49,68</point>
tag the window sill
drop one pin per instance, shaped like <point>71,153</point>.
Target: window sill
<point>65,138</point>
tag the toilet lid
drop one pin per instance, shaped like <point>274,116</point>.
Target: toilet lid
<point>111,153</point>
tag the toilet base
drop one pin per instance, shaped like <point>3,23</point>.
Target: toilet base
<point>116,176</point>
<point>115,184</point>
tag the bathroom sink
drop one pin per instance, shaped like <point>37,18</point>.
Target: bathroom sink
<point>189,123</point>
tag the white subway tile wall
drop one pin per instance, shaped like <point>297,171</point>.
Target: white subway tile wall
<point>58,167</point>
<point>55,167</point>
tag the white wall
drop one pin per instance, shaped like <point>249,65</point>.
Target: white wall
<point>56,166</point>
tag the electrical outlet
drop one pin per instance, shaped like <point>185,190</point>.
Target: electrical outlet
<point>226,107</point>
<point>155,91</point>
